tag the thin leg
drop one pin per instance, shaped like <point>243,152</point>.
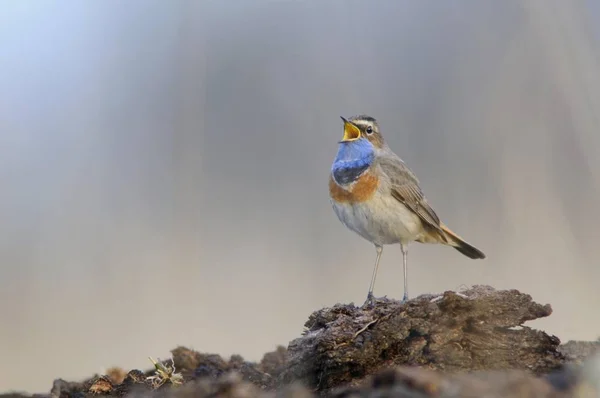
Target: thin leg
<point>370,298</point>
<point>404,249</point>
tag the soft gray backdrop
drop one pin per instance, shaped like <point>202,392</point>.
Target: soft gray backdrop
<point>164,165</point>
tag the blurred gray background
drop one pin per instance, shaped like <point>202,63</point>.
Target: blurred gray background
<point>164,167</point>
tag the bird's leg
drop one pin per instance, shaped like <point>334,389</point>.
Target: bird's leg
<point>370,298</point>
<point>404,248</point>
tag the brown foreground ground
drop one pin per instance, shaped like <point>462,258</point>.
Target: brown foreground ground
<point>471,344</point>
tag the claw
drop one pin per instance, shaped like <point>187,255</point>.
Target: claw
<point>370,301</point>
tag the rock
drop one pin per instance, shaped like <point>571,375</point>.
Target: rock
<point>194,365</point>
<point>62,389</point>
<point>406,382</point>
<point>102,385</point>
<point>229,385</point>
<point>274,362</point>
<point>578,351</point>
<point>415,382</point>
<point>481,331</point>
<point>471,344</point>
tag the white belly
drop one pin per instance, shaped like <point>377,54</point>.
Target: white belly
<point>382,220</point>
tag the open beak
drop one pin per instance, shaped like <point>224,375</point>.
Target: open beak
<point>351,132</point>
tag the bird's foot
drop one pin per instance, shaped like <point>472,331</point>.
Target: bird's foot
<point>404,298</point>
<point>370,302</point>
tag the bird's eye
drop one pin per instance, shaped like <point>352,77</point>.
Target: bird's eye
<point>369,130</point>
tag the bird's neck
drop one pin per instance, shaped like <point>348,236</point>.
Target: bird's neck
<point>352,160</point>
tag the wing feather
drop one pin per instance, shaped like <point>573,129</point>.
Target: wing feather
<point>405,188</point>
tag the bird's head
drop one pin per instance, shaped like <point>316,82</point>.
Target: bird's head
<point>361,130</point>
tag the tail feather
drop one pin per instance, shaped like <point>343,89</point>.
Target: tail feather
<point>459,244</point>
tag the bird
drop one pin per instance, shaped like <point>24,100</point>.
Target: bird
<point>376,195</point>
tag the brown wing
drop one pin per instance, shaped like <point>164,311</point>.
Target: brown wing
<point>405,189</point>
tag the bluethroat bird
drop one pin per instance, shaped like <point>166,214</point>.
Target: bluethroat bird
<point>377,196</point>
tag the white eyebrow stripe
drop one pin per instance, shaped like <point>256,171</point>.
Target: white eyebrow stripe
<point>364,123</point>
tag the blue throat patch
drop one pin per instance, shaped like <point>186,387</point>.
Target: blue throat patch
<point>352,160</point>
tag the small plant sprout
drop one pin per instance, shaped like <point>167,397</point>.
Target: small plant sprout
<point>164,373</point>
